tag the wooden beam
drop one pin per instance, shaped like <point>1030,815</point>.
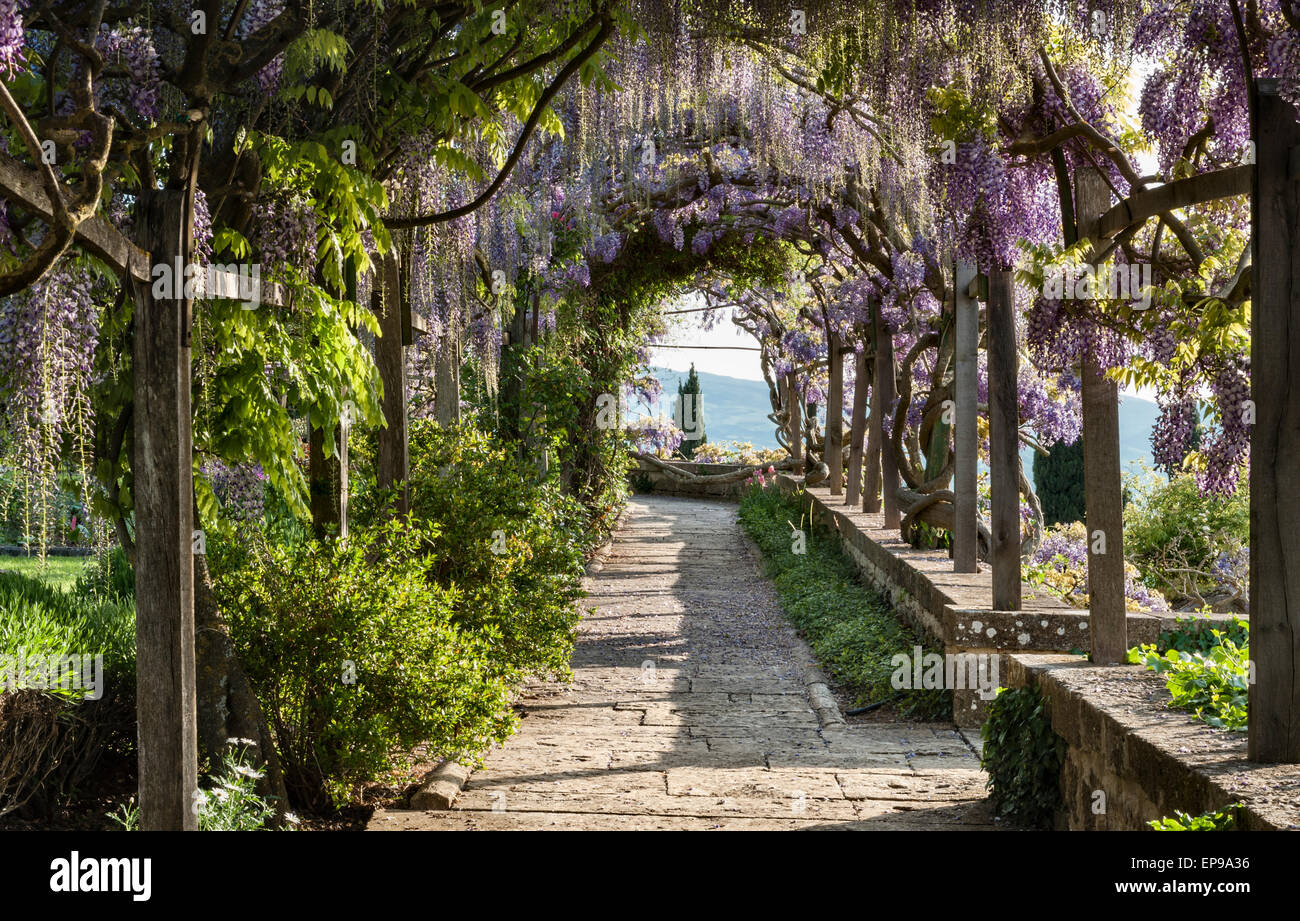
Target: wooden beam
<point>161,465</point>
<point>1275,435</point>
<point>857,427</point>
<point>101,239</point>
<point>1182,193</point>
<point>965,539</point>
<point>835,417</point>
<point>226,283</point>
<point>23,187</point>
<point>393,462</point>
<point>1102,483</point>
<point>1004,440</point>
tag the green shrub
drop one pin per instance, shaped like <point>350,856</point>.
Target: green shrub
<point>1198,634</point>
<point>356,658</point>
<point>511,548</point>
<point>1213,685</point>
<point>850,628</point>
<point>1023,757</point>
<point>1175,535</point>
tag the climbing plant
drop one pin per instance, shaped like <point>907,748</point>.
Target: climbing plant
<point>1023,757</point>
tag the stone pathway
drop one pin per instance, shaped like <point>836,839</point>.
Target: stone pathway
<point>688,709</point>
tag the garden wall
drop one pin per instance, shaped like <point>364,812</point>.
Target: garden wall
<point>952,609</point>
<point>1130,760</point>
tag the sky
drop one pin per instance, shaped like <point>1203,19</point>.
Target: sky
<point>686,329</point>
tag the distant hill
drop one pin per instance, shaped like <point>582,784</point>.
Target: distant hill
<point>736,410</point>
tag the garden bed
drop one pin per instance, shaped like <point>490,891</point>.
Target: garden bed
<point>953,609</point>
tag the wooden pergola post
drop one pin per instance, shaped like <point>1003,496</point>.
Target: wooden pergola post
<point>393,462</point>
<point>835,416</point>
<point>1102,481</point>
<point>163,491</point>
<point>1275,435</point>
<point>446,399</point>
<point>1004,441</point>
<point>886,394</point>
<point>965,538</point>
<point>857,427</point>
<point>875,433</point>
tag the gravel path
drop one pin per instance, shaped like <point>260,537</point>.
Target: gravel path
<point>688,709</point>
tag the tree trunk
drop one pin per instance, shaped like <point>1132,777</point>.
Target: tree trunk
<point>322,479</point>
<point>447,379</point>
<point>393,462</point>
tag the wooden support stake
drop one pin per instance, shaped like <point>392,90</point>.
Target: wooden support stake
<point>161,465</point>
<point>1275,435</point>
<point>1102,481</point>
<point>1004,442</point>
<point>857,427</point>
<point>390,358</point>
<point>835,417</point>
<point>965,539</point>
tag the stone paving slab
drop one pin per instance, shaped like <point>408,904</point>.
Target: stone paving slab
<point>689,709</point>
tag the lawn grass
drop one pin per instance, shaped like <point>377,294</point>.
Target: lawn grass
<point>56,571</point>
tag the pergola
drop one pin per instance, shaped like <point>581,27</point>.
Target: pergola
<point>163,459</point>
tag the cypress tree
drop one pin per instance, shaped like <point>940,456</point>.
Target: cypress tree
<point>689,414</point>
<point>1058,480</point>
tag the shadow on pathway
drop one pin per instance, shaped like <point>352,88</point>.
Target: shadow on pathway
<point>688,710</point>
